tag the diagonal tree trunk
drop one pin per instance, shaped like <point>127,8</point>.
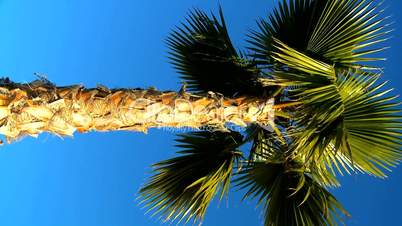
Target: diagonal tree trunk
<point>40,106</point>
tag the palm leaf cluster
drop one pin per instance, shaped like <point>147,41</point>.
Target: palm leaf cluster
<point>342,112</point>
<point>317,59</point>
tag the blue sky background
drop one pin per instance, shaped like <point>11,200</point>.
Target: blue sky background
<point>92,179</point>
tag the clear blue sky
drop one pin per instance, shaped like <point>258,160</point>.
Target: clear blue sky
<point>92,179</point>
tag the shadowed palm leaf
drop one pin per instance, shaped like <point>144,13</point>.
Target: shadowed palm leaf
<point>203,53</point>
<point>289,196</point>
<point>266,145</point>
<point>289,20</point>
<point>183,186</point>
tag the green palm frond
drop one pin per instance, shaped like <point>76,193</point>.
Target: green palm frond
<point>183,187</point>
<point>289,22</point>
<point>289,196</point>
<point>203,53</point>
<point>344,115</point>
<point>338,32</point>
<point>346,32</point>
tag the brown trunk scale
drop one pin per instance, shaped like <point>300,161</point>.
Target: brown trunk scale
<point>40,106</point>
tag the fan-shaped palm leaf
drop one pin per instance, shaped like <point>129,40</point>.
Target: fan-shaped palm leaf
<point>340,32</point>
<point>289,20</point>
<point>341,112</point>
<point>203,53</point>
<point>289,196</point>
<point>183,186</point>
<point>346,31</point>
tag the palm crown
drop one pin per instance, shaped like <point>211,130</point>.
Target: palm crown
<point>315,58</point>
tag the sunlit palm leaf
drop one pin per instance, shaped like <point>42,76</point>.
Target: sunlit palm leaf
<point>341,112</point>
<point>289,196</point>
<point>346,32</point>
<point>183,186</point>
<point>203,53</point>
<point>340,32</point>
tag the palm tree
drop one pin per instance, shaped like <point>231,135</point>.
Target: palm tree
<point>306,89</point>
<point>315,59</point>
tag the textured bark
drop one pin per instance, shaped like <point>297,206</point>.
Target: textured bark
<point>40,106</point>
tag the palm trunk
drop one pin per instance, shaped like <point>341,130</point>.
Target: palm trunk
<point>39,106</point>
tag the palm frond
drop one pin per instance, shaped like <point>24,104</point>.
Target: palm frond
<point>344,115</point>
<point>339,32</point>
<point>289,196</point>
<point>289,22</point>
<point>203,54</point>
<point>364,125</point>
<point>346,32</point>
<point>183,187</point>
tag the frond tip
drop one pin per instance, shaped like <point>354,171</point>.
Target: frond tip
<point>183,187</point>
